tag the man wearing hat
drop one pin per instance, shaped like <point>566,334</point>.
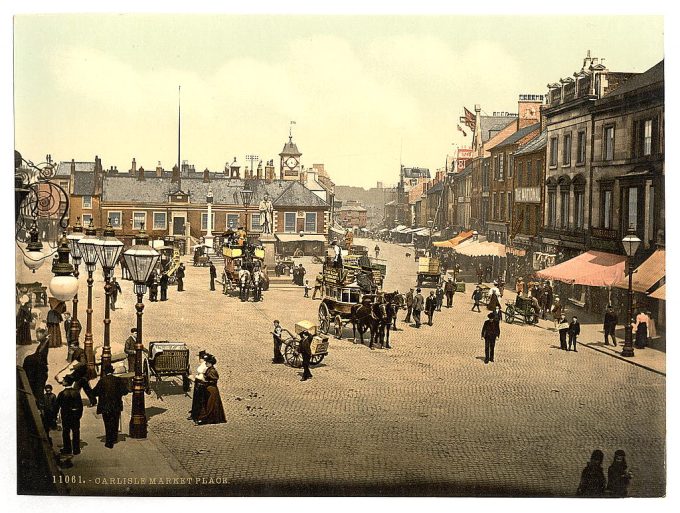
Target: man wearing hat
<point>180,278</point>
<point>70,407</point>
<point>449,290</point>
<point>418,305</point>
<point>610,322</point>
<point>110,391</point>
<point>337,255</point>
<point>409,305</point>
<point>490,332</point>
<point>130,350</point>
<point>306,352</point>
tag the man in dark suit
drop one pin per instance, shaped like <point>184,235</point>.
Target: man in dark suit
<point>70,406</point>
<point>430,307</point>
<point>418,305</point>
<point>164,286</point>
<point>213,275</point>
<point>610,322</point>
<point>306,352</point>
<point>490,332</point>
<point>450,290</point>
<point>110,391</point>
<point>180,278</point>
<point>115,290</point>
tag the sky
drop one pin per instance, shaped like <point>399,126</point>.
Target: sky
<point>366,92</point>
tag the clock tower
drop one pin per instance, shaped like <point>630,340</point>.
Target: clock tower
<point>290,161</point>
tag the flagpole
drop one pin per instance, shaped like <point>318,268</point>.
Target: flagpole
<point>179,129</point>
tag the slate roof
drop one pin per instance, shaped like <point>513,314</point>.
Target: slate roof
<point>653,75</point>
<point>435,188</point>
<point>518,135</point>
<point>83,183</point>
<point>491,125</point>
<point>416,172</point>
<point>225,191</point>
<point>290,148</point>
<point>64,167</point>
<point>537,143</point>
<point>352,208</point>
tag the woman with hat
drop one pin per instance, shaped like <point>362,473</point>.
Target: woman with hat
<point>618,477</point>
<point>24,318</point>
<point>199,387</point>
<point>212,411</point>
<point>54,320</point>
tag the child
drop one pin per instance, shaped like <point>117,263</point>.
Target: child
<point>574,331</point>
<point>50,409</point>
<point>307,287</point>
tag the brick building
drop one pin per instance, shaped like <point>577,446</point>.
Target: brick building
<point>352,214</point>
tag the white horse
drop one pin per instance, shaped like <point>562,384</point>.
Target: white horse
<point>244,281</point>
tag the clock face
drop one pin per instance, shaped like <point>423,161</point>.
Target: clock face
<point>291,162</point>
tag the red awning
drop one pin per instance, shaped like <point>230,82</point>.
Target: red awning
<point>593,268</point>
<point>648,273</point>
<point>659,293</point>
<point>453,242</point>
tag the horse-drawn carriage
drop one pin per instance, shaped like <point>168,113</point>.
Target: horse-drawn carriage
<point>429,271</point>
<point>170,258</point>
<point>244,270</point>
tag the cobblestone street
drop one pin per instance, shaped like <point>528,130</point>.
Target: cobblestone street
<point>427,417</point>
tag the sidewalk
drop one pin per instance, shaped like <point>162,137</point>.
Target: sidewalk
<point>128,468</point>
<point>592,337</point>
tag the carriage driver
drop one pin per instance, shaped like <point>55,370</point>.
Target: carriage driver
<point>337,255</point>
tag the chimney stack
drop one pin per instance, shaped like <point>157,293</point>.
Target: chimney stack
<point>140,174</point>
<point>133,170</point>
<point>175,174</point>
<point>259,171</point>
<point>269,171</point>
<point>206,175</point>
<point>73,166</point>
<point>159,170</point>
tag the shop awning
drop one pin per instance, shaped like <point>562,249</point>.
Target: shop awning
<point>648,273</point>
<point>483,248</point>
<point>399,229</point>
<point>454,241</point>
<point>659,293</point>
<point>338,230</point>
<point>593,268</point>
<point>295,237</point>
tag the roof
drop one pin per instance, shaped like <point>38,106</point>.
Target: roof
<point>537,143</point>
<point>83,183</point>
<point>491,125</point>
<point>225,191</point>
<point>416,172</point>
<point>519,135</point>
<point>352,208</point>
<point>593,268</point>
<point>435,188</point>
<point>453,242</point>
<point>290,148</point>
<point>654,75</point>
<point>648,274</point>
<point>64,167</point>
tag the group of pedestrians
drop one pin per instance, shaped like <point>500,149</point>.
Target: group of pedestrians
<point>206,404</point>
<point>593,482</point>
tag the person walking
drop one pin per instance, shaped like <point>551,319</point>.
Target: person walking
<point>301,275</point>
<point>180,278</point>
<point>574,331</point>
<point>377,251</point>
<point>610,322</point>
<point>277,334</point>
<point>306,352</point>
<point>71,410</point>
<point>213,275</point>
<point>68,322</point>
<point>23,322</point>
<point>307,287</point>
<point>409,305</point>
<point>318,284</point>
<point>110,391</point>
<point>618,477</point>
<point>163,282</point>
<point>153,286</point>
<point>592,482</point>
<point>490,332</point>
<point>115,290</point>
<point>418,305</point>
<point>439,294</point>
<point>547,298</point>
<point>50,409</point>
<point>54,319</point>
<point>212,411</point>
<point>430,307</point>
<point>557,311</point>
<point>476,297</point>
<point>640,328</point>
<point>449,290</point>
<point>563,328</point>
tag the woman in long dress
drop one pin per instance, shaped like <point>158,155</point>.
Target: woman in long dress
<point>199,387</point>
<point>24,318</point>
<point>54,320</point>
<point>212,411</point>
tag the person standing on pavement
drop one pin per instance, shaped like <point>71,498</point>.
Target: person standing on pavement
<point>418,305</point>
<point>476,297</point>
<point>574,331</point>
<point>199,387</point>
<point>519,286</point>
<point>50,409</point>
<point>618,477</point>
<point>640,328</point>
<point>213,275</point>
<point>439,294</point>
<point>110,391</point>
<point>212,411</point>
<point>70,406</point>
<point>610,322</point>
<point>490,332</point>
<point>409,305</point>
<point>54,319</point>
<point>563,328</point>
<point>180,278</point>
<point>306,352</point>
<point>547,298</point>
<point>592,482</point>
<point>130,350</point>
<point>277,334</point>
<point>115,290</point>
<point>164,285</point>
<point>307,287</point>
<point>67,329</point>
<point>449,290</point>
<point>377,251</point>
<point>557,311</point>
<point>430,307</point>
<point>153,286</point>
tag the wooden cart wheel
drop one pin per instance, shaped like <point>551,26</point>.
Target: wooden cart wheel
<point>324,318</point>
<point>510,314</point>
<point>338,325</point>
<point>291,354</point>
<point>316,359</point>
<point>145,372</point>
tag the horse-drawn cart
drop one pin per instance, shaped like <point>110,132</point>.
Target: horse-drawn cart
<point>429,270</point>
<point>523,308</point>
<point>319,345</point>
<point>167,359</point>
<point>243,269</point>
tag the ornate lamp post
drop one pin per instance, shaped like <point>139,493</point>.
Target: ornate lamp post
<point>246,197</point>
<point>108,250</point>
<point>631,243</point>
<point>64,285</point>
<point>209,235</point>
<point>89,253</point>
<point>34,257</point>
<point>76,256</point>
<point>140,259</point>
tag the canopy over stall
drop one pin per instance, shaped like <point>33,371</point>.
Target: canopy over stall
<point>593,268</point>
<point>659,293</point>
<point>648,274</point>
<point>484,248</point>
<point>454,241</point>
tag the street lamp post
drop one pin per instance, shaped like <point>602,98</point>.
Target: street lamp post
<point>209,235</point>
<point>63,285</point>
<point>246,198</point>
<point>89,253</point>
<point>108,250</point>
<point>141,260</point>
<point>76,255</point>
<point>631,243</point>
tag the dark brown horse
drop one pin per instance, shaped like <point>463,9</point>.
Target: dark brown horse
<point>360,317</point>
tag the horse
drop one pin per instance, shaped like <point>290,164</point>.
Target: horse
<point>244,282</point>
<point>379,320</point>
<point>257,281</point>
<point>394,301</point>
<point>360,317</point>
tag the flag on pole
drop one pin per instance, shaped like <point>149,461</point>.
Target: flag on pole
<point>468,119</point>
<point>459,128</point>
<point>292,123</point>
